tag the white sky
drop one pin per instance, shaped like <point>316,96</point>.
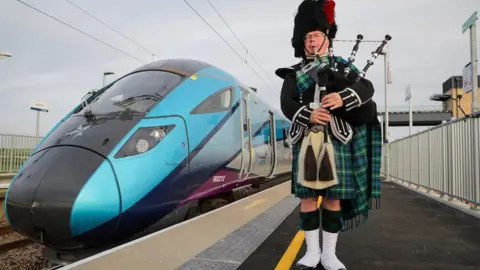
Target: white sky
<point>56,64</point>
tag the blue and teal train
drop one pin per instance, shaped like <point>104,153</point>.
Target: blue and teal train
<point>159,145</point>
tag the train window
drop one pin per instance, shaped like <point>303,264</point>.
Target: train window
<point>136,92</point>
<point>218,102</point>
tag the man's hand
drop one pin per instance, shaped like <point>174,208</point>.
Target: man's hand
<point>320,116</point>
<point>332,101</point>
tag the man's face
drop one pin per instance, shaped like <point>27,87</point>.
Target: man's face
<point>313,41</point>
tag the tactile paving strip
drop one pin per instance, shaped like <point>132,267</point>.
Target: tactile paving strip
<point>230,252</point>
<point>196,264</point>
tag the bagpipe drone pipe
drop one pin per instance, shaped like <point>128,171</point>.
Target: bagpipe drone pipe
<point>316,160</point>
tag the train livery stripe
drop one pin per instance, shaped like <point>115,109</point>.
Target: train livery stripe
<point>209,188</point>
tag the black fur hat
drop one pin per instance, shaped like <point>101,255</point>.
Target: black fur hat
<point>313,15</point>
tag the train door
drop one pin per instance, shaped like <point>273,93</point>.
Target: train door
<point>273,144</point>
<point>246,136</point>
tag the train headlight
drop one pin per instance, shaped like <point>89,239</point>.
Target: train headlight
<point>142,146</point>
<point>158,133</point>
<point>143,140</point>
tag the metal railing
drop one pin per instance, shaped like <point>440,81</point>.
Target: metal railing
<point>14,150</point>
<point>444,158</point>
<point>422,108</point>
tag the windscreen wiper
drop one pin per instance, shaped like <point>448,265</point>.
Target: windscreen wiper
<point>87,110</point>
<point>140,97</point>
<point>90,96</point>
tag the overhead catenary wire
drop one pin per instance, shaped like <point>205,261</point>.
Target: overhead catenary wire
<point>113,29</point>
<point>246,50</point>
<point>256,73</point>
<point>354,40</point>
<point>73,27</point>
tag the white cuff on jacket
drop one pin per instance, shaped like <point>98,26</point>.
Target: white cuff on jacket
<point>302,116</point>
<point>295,133</point>
<point>350,99</point>
<point>341,129</point>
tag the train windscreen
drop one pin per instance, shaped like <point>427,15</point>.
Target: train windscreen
<point>135,93</point>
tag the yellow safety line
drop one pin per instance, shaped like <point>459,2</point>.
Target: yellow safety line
<point>255,203</point>
<point>290,254</point>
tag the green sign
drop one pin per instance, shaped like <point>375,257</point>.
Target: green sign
<point>469,22</point>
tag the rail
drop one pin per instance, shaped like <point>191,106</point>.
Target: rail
<point>14,150</point>
<point>444,159</point>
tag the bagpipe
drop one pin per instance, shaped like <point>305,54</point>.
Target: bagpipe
<point>316,160</point>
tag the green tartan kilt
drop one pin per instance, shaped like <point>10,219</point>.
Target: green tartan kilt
<point>351,161</point>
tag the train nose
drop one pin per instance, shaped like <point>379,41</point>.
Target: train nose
<point>61,193</point>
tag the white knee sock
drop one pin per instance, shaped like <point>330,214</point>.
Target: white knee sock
<point>329,259</point>
<point>312,256</point>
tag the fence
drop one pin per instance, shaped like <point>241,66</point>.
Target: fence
<point>444,158</point>
<point>14,150</point>
<point>424,108</point>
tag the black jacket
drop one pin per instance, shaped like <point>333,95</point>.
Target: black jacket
<point>358,107</point>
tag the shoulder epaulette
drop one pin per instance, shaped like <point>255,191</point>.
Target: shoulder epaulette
<point>283,71</point>
<point>341,60</point>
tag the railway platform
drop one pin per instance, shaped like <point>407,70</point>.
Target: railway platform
<point>409,231</point>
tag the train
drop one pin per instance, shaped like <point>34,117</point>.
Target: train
<point>163,143</point>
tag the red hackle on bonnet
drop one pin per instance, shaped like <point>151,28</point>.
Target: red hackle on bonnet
<point>330,11</point>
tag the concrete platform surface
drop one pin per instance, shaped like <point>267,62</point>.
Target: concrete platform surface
<point>410,231</point>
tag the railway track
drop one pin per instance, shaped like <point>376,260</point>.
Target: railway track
<point>9,239</point>
<point>19,252</point>
<point>5,230</point>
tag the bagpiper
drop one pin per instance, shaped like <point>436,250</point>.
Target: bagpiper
<point>348,119</point>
